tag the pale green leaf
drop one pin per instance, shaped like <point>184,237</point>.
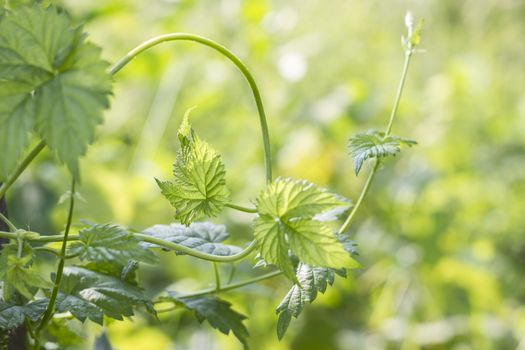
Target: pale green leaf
<point>53,81</point>
<point>199,188</point>
<point>374,144</point>
<point>201,236</point>
<point>218,313</point>
<point>89,294</point>
<point>287,221</point>
<point>110,243</point>
<point>17,272</point>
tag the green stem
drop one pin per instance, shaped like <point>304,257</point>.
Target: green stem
<point>60,269</point>
<point>225,288</point>
<point>241,208</point>
<point>12,227</point>
<point>217,276</point>
<point>150,239</point>
<point>393,114</point>
<point>227,53</point>
<point>362,196</point>
<point>12,178</point>
<point>195,253</point>
<point>408,55</point>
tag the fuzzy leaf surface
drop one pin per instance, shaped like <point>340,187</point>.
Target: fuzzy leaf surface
<point>53,82</point>
<point>110,243</point>
<point>218,313</point>
<point>287,211</point>
<point>89,294</point>
<point>374,144</point>
<point>201,236</point>
<point>199,188</point>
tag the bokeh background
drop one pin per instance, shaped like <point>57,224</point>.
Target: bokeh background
<point>441,234</point>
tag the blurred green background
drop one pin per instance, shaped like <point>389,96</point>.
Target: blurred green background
<point>441,233</point>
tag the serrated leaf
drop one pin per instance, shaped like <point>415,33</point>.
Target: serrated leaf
<point>201,236</point>
<point>89,294</point>
<point>218,313</point>
<point>13,315</point>
<point>53,81</point>
<point>17,272</point>
<point>287,211</point>
<point>199,188</point>
<point>111,243</point>
<point>311,281</point>
<point>374,144</point>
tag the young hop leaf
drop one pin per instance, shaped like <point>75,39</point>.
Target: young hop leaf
<point>202,236</point>
<point>374,144</point>
<point>111,243</point>
<point>13,315</point>
<point>89,294</point>
<point>287,221</point>
<point>53,82</point>
<point>219,314</point>
<point>17,273</point>
<point>311,281</point>
<point>199,188</point>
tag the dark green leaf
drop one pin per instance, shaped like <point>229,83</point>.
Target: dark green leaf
<point>13,315</point>
<point>374,144</point>
<point>218,313</point>
<point>311,281</point>
<point>201,236</point>
<point>199,188</point>
<point>287,221</point>
<point>89,294</point>
<point>111,243</point>
<point>53,81</point>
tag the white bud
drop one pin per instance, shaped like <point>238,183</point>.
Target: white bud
<point>409,22</point>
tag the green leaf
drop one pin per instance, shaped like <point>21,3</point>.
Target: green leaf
<point>311,281</point>
<point>218,313</point>
<point>13,315</point>
<point>374,144</point>
<point>89,294</point>
<point>201,236</point>
<point>287,221</point>
<point>53,81</point>
<point>17,273</point>
<point>199,188</point>
<point>110,243</point>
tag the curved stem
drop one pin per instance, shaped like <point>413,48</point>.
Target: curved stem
<point>60,269</point>
<point>228,54</point>
<point>225,288</point>
<point>362,196</point>
<point>393,114</point>
<point>12,178</point>
<point>195,253</point>
<point>241,208</point>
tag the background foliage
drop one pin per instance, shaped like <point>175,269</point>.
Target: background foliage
<point>440,236</point>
